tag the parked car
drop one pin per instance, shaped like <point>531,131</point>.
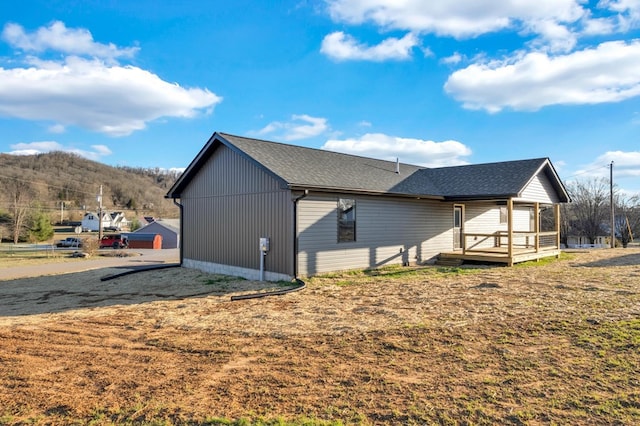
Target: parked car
<point>69,242</point>
<point>116,241</point>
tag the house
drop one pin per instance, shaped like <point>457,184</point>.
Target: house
<point>169,229</point>
<point>91,221</point>
<point>114,221</point>
<point>118,221</point>
<point>578,241</point>
<point>301,212</point>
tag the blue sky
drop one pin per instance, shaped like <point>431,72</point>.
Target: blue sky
<point>145,83</point>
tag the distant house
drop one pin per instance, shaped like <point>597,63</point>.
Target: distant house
<point>575,241</point>
<point>323,211</point>
<point>169,229</point>
<point>91,221</point>
<point>116,221</point>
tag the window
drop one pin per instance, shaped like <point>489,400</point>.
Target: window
<point>504,217</point>
<point>346,220</point>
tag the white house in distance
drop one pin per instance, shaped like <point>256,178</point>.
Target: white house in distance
<point>115,220</point>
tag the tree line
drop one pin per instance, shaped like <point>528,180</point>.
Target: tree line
<point>60,186</point>
<point>589,213</point>
<point>48,188</point>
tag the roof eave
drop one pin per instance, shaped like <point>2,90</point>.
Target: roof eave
<point>198,162</point>
<point>195,165</point>
<point>302,187</point>
<point>480,197</point>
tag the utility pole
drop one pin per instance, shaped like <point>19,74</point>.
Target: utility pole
<point>100,215</point>
<point>61,212</point>
<point>613,217</point>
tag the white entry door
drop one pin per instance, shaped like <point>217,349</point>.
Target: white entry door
<point>458,220</point>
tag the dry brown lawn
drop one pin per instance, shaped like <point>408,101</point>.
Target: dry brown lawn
<point>549,343</point>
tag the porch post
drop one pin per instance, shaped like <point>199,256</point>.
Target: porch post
<point>536,224</point>
<point>510,231</point>
<point>556,216</point>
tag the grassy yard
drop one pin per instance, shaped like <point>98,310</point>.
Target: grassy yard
<point>555,342</point>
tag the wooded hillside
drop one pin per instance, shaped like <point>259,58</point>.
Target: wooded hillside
<point>43,182</point>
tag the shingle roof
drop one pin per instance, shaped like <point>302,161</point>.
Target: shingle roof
<point>489,180</point>
<point>301,167</point>
<point>308,167</point>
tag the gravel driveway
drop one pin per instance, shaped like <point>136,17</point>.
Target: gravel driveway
<point>139,257</point>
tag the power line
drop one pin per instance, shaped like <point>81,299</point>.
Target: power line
<point>605,166</point>
<point>33,182</point>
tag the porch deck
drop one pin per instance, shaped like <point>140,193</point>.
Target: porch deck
<point>505,247</point>
<point>501,255</point>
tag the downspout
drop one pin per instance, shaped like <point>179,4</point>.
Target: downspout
<point>295,232</point>
<point>180,240</point>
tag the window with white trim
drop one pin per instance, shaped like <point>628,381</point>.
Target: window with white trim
<point>504,216</point>
<point>346,220</point>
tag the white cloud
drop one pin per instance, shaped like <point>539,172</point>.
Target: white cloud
<point>59,38</point>
<point>626,170</point>
<point>114,100</point>
<point>88,92</point>
<point>629,17</point>
<point>300,127</point>
<point>608,73</point>
<point>453,59</point>
<point>101,149</point>
<point>625,164</point>
<point>408,150</point>
<point>459,19</point>
<point>57,128</point>
<point>554,36</point>
<point>599,26</point>
<point>341,46</point>
<point>32,148</point>
<point>631,7</point>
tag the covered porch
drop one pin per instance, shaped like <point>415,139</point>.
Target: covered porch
<point>510,246</point>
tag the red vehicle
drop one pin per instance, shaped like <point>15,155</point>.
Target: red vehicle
<point>116,241</point>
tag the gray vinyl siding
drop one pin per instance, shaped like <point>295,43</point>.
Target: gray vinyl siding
<point>228,206</point>
<point>484,218</point>
<point>539,190</point>
<point>388,231</point>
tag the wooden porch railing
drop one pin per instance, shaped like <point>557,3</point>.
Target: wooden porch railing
<point>521,240</point>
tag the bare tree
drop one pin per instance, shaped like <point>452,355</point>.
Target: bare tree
<point>627,219</point>
<point>5,220</point>
<point>20,195</point>
<point>590,207</point>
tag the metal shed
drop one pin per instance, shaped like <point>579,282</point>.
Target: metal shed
<point>145,241</point>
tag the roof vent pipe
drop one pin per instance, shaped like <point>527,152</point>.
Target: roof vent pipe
<point>397,165</point>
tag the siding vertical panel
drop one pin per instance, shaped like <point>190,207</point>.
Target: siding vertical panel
<point>229,205</point>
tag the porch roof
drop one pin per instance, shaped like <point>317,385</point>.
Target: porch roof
<point>498,180</point>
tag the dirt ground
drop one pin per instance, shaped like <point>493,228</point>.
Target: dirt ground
<point>555,343</point>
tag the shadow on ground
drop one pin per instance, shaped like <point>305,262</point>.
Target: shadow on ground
<point>82,290</point>
<point>621,260</point>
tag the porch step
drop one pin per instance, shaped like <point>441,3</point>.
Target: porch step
<point>449,261</point>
